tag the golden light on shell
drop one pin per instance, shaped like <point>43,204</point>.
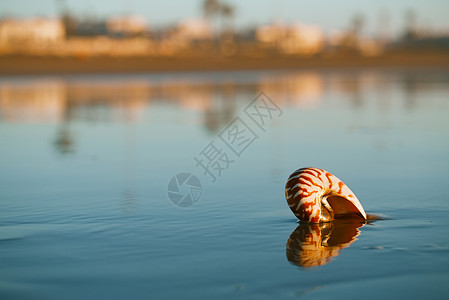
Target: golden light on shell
<point>315,196</point>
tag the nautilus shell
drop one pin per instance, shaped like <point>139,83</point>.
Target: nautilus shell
<point>315,195</point>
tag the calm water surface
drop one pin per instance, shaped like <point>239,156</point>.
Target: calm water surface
<point>85,162</point>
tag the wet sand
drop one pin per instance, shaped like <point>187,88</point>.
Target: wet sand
<point>27,65</point>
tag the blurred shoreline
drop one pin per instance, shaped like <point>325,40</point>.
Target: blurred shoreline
<point>47,65</point>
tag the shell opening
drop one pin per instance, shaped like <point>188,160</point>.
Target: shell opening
<point>343,208</point>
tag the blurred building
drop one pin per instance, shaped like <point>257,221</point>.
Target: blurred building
<point>270,34</point>
<point>180,39</point>
<point>127,26</point>
<point>194,29</point>
<point>304,39</point>
<point>28,31</point>
<point>89,28</point>
<point>352,43</point>
<point>292,39</point>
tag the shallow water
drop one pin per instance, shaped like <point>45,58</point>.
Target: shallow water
<point>85,163</point>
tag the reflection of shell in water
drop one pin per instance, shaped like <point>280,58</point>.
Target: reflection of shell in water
<point>312,245</point>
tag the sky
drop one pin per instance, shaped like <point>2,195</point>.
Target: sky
<point>328,14</point>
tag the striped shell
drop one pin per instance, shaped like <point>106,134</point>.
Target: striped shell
<point>316,196</point>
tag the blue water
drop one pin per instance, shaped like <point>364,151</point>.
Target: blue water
<point>85,163</point>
